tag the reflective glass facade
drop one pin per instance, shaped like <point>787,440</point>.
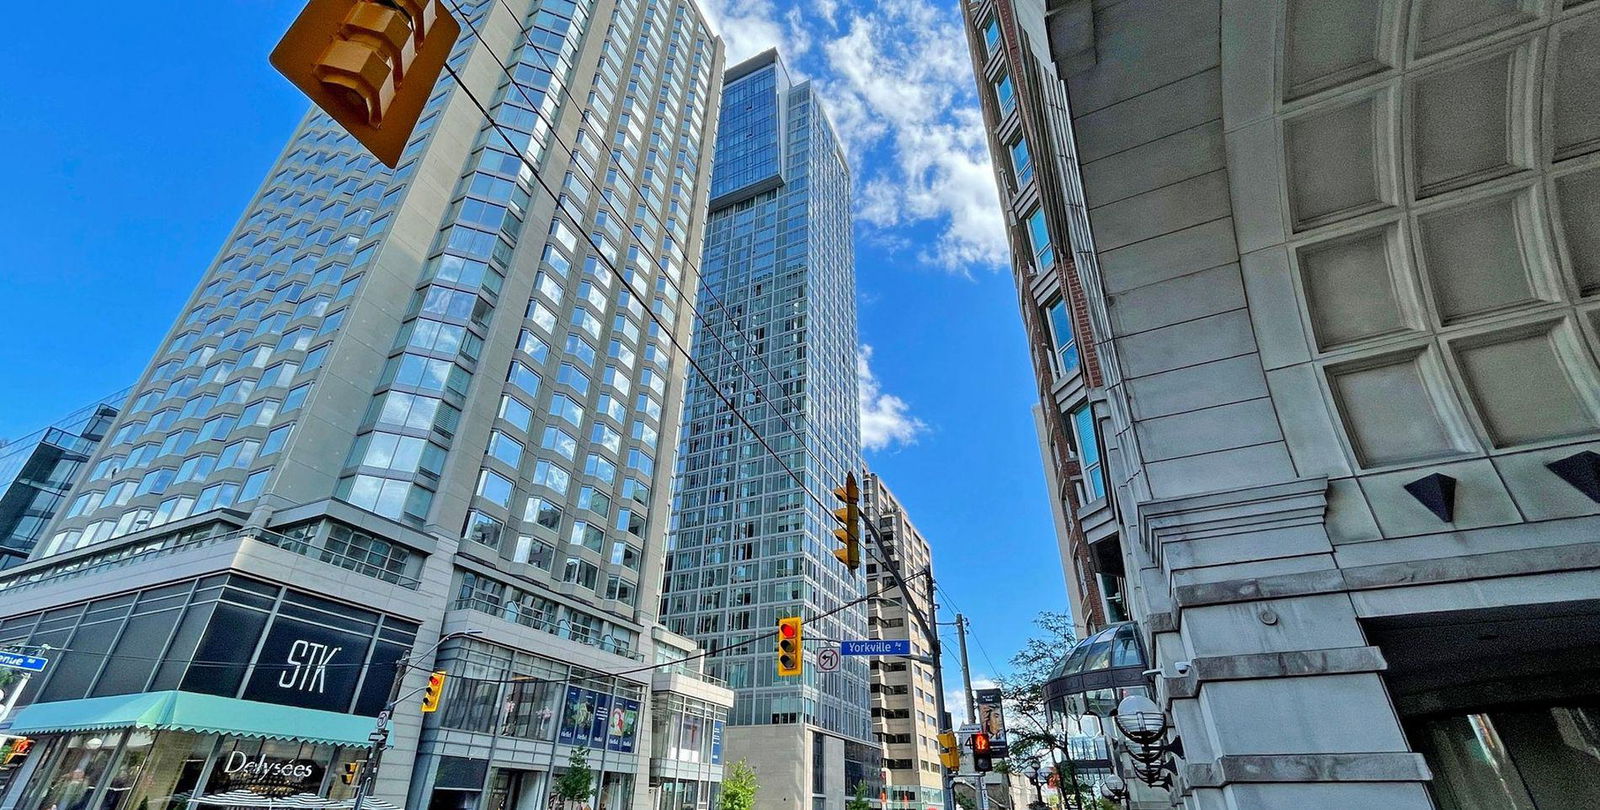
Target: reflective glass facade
<point>778,337</point>
<point>450,389</point>
<point>37,473</point>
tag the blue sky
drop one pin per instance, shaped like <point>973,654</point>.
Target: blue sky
<point>127,164</point>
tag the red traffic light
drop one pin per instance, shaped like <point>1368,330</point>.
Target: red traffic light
<point>980,742</point>
<point>786,630</point>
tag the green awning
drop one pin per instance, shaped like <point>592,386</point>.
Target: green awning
<point>190,711</point>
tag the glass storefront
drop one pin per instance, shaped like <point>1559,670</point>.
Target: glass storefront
<point>140,769</point>
<point>224,635</point>
<point>1537,758</point>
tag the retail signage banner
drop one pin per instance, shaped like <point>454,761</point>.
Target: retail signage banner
<point>716,742</point>
<point>594,720</point>
<point>305,665</point>
<point>266,775</point>
<point>992,719</point>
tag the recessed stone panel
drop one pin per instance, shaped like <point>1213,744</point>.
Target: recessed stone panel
<point>1525,384</point>
<point>1349,286</point>
<point>1443,23</point>
<point>1576,101</point>
<point>1328,44</point>
<point>1578,196</point>
<point>1335,165</point>
<point>1389,410</point>
<point>1474,258</point>
<point>1462,120</point>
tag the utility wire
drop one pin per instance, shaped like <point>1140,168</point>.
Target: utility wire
<point>688,300</point>
<point>771,634</point>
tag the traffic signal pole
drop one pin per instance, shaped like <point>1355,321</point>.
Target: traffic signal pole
<point>966,670</point>
<point>930,629</point>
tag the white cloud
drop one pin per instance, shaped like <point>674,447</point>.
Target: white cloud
<point>897,82</point>
<point>749,27</point>
<point>955,699</point>
<point>900,79</point>
<point>885,418</point>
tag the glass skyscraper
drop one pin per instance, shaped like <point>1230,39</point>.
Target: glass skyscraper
<point>438,403</point>
<point>778,338</point>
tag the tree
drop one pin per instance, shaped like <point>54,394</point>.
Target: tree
<point>576,784</point>
<point>1028,733</point>
<point>860,801</point>
<point>739,787</point>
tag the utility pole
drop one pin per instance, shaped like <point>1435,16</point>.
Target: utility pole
<point>379,738</point>
<point>966,671</point>
<point>931,628</point>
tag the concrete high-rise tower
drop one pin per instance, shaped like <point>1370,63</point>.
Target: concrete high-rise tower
<point>778,339</point>
<point>434,409</point>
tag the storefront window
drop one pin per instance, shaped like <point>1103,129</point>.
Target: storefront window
<point>150,770</point>
<point>161,771</point>
<point>616,791</point>
<point>79,766</point>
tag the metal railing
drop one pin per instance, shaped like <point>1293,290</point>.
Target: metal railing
<point>168,545</point>
<point>561,628</point>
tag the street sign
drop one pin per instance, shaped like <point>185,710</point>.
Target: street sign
<point>31,663</point>
<point>828,660</point>
<point>888,646</point>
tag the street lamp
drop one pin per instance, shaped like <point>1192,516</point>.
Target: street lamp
<point>1114,788</point>
<point>1034,775</point>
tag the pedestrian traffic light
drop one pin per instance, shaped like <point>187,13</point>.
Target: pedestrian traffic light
<point>949,750</point>
<point>430,697</point>
<point>369,64</point>
<point>790,659</point>
<point>849,514</point>
<point>982,755</point>
<point>352,772</point>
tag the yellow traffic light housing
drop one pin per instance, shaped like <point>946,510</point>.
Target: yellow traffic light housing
<point>791,661</point>
<point>432,695</point>
<point>850,515</point>
<point>369,64</point>
<point>352,772</point>
<point>949,750</point>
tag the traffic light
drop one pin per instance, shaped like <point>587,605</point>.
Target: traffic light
<point>982,755</point>
<point>352,772</point>
<point>949,750</point>
<point>369,64</point>
<point>850,514</point>
<point>790,659</point>
<point>430,697</point>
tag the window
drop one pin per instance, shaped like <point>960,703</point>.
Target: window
<point>515,412</point>
<point>559,441</point>
<point>991,37</point>
<point>1063,344</point>
<point>494,487</point>
<point>1021,162</point>
<point>505,448</point>
<point>1044,253</point>
<point>1005,95</point>
<point>1083,429</point>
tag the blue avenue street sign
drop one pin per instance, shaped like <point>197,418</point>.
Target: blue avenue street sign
<point>32,663</point>
<point>890,646</point>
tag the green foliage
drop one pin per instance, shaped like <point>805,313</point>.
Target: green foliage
<point>576,784</point>
<point>860,801</point>
<point>739,787</point>
<point>964,801</point>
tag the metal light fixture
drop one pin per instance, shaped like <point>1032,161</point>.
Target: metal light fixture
<point>1141,720</point>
